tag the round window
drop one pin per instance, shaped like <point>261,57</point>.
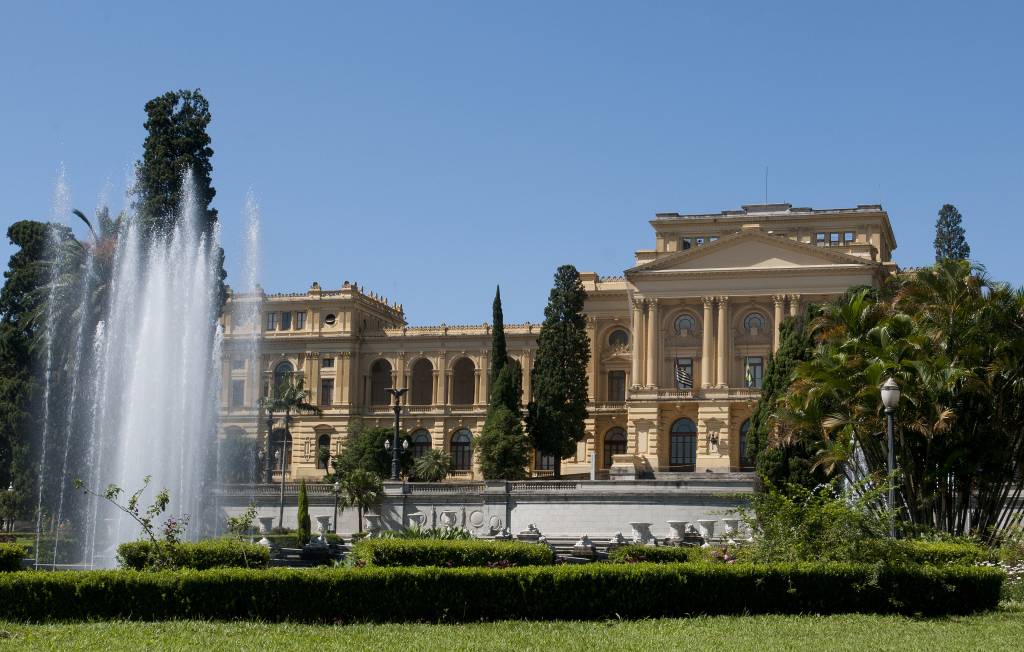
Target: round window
<point>685,324</point>
<point>618,339</point>
<point>330,319</point>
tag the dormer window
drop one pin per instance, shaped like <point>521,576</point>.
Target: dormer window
<point>286,321</point>
<point>330,319</point>
<point>685,324</point>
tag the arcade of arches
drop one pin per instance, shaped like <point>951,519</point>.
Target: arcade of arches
<point>679,347</point>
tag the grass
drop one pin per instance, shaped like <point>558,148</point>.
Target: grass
<point>999,630</point>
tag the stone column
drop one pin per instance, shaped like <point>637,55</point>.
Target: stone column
<point>225,382</point>
<point>313,380</point>
<point>527,364</point>
<point>447,387</point>
<point>778,300</point>
<point>344,378</point>
<point>478,387</point>
<point>706,376</point>
<point>592,364</point>
<point>794,305</point>
<point>652,343</point>
<point>723,337</point>
<point>637,336</point>
<point>435,386</point>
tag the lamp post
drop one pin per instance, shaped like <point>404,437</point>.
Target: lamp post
<point>269,470</point>
<point>4,525</point>
<point>397,393</point>
<point>890,399</point>
<point>282,455</point>
<point>337,493</point>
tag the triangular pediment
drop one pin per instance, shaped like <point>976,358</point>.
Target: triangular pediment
<point>750,250</point>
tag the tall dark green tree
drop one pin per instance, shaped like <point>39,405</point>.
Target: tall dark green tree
<point>555,416</point>
<point>781,457</point>
<point>176,142</point>
<point>304,524</point>
<point>21,310</point>
<point>950,239</point>
<point>502,448</point>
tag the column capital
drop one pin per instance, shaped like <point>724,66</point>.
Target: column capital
<point>794,297</point>
<point>652,302</point>
<point>312,354</point>
<point>708,301</point>
<point>779,299</point>
<point>638,303</point>
<point>723,300</point>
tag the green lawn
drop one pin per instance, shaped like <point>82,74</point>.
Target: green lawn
<point>1001,630</point>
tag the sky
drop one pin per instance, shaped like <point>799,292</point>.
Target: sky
<point>433,150</point>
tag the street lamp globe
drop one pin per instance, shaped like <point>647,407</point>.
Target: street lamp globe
<point>405,444</point>
<point>337,487</point>
<point>890,394</point>
<point>387,444</point>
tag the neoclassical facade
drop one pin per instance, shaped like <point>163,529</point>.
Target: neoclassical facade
<point>679,345</point>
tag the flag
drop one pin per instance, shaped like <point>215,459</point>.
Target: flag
<point>683,378</point>
<point>750,378</point>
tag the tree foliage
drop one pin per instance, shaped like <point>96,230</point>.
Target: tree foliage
<point>502,449</point>
<point>364,449</point>
<point>950,239</point>
<point>954,342</point>
<point>304,523</point>
<point>432,466</point>
<point>363,490</point>
<point>779,451</point>
<point>556,414</point>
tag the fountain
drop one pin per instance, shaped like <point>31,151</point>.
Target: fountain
<point>140,398</point>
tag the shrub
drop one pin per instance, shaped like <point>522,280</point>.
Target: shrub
<point>11,556</point>
<point>569,592</point>
<point>664,555</point>
<point>292,540</point>
<point>213,553</point>
<point>445,533</point>
<point>303,515</point>
<point>435,552</point>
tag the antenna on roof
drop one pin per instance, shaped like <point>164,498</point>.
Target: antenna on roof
<point>766,185</point>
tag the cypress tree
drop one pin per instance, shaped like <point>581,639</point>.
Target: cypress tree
<point>780,465</point>
<point>950,238</point>
<point>176,141</point>
<point>499,348</point>
<point>556,414</point>
<point>304,527</point>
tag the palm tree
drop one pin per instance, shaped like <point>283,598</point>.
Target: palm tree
<point>290,398</point>
<point>432,466</point>
<point>363,490</point>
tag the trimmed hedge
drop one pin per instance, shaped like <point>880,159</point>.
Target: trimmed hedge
<point>935,553</point>
<point>431,594</point>
<point>10,556</point>
<point>633,553</point>
<point>214,553</point>
<point>436,552</point>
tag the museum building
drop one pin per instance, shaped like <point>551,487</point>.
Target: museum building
<point>679,344</point>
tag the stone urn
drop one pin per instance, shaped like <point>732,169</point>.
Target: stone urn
<point>416,519</point>
<point>266,525</point>
<point>678,530</point>
<point>530,535</point>
<point>372,525</point>
<point>707,528</point>
<point>642,533</point>
<point>448,517</point>
<point>323,525</point>
<point>616,540</point>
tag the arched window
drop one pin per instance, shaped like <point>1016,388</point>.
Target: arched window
<point>754,320</point>
<point>619,339</point>
<point>420,443</point>
<point>683,445</point>
<point>614,444</point>
<point>462,451</point>
<point>745,461</point>
<point>323,451</point>
<point>422,392</point>
<point>463,382</point>
<point>380,382</point>
<point>282,372</point>
<point>685,324</point>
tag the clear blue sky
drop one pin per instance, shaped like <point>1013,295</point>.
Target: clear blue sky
<point>432,150</point>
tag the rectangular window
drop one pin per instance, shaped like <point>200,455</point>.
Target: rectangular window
<point>237,393</point>
<point>616,385</point>
<point>286,320</point>
<point>819,239</point>
<point>326,363</point>
<point>685,243</point>
<point>300,321</point>
<point>833,239</point>
<point>271,321</point>
<point>849,237</point>
<point>545,461</point>
<point>326,391</point>
<point>237,363</point>
<point>754,371</point>
<point>684,373</point>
